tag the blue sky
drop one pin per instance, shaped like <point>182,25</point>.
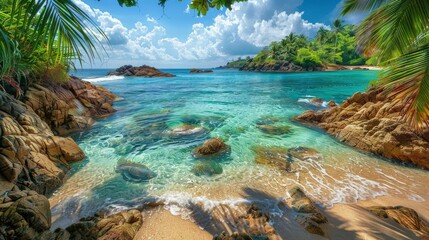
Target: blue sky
<point>175,37</point>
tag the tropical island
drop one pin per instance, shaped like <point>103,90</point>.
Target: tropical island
<point>170,154</point>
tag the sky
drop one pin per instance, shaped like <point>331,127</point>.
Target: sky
<point>176,37</point>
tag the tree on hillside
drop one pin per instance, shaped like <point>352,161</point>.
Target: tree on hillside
<point>396,32</point>
<point>337,27</point>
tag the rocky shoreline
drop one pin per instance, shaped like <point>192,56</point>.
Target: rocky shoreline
<point>279,66</point>
<point>372,122</point>
<point>33,158</point>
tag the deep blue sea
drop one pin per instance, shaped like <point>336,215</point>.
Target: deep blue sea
<point>226,104</point>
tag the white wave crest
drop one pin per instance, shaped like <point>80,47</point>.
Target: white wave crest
<point>103,79</point>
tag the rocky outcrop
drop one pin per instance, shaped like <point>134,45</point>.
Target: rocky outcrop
<point>278,66</point>
<point>194,70</point>
<point>31,157</point>
<point>142,71</point>
<point>69,107</point>
<point>406,217</point>
<point>24,215</point>
<point>372,122</point>
<point>120,226</point>
<point>307,213</point>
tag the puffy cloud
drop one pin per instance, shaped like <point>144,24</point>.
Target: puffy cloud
<point>244,30</point>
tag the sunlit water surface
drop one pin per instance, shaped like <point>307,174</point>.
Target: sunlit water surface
<point>228,104</point>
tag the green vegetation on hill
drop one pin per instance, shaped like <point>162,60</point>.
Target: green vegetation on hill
<point>239,63</point>
<point>336,46</point>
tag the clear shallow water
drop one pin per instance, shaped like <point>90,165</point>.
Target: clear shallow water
<point>227,104</point>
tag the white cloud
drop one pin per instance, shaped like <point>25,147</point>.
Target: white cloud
<point>151,19</point>
<point>244,30</point>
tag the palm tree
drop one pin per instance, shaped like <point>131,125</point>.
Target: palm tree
<point>396,32</point>
<point>337,26</point>
<point>36,33</point>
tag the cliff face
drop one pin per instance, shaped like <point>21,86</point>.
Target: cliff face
<point>372,122</point>
<point>278,66</point>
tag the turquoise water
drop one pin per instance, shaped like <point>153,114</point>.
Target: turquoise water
<point>226,104</point>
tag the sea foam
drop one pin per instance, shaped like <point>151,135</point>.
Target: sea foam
<point>105,78</point>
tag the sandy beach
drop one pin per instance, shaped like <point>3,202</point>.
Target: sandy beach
<point>345,221</point>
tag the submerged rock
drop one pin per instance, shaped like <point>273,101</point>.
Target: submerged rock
<point>307,214</point>
<point>272,156</point>
<point>134,172</point>
<point>274,129</point>
<point>185,130</point>
<point>210,148</point>
<point>303,153</point>
<point>374,123</point>
<point>206,168</point>
<point>406,217</point>
<point>267,120</point>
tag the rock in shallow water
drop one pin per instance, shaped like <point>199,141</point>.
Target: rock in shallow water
<point>274,129</point>
<point>134,172</point>
<point>211,148</point>
<point>185,130</point>
<point>272,156</point>
<point>303,153</point>
<point>206,168</point>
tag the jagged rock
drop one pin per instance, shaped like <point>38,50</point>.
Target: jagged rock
<point>406,217</point>
<point>120,226</point>
<point>372,122</point>
<point>69,107</point>
<point>210,148</point>
<point>24,215</point>
<point>332,103</point>
<point>194,70</point>
<point>307,213</point>
<point>142,71</point>
<point>272,156</point>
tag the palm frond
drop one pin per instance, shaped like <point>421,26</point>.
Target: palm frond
<point>361,5</point>
<point>407,78</point>
<point>393,28</point>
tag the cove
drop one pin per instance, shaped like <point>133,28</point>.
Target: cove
<point>229,105</point>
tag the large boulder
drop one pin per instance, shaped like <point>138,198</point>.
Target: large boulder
<point>24,215</point>
<point>210,148</point>
<point>69,107</point>
<point>406,217</point>
<point>374,123</point>
<point>120,226</point>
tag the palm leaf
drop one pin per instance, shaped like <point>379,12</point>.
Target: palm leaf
<point>407,79</point>
<point>361,5</point>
